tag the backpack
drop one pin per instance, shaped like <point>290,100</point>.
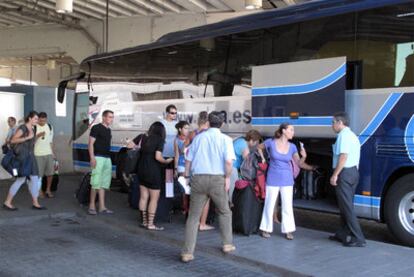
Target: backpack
<point>249,167</point>
<point>132,157</point>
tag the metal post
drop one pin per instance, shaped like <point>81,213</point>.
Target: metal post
<point>107,25</point>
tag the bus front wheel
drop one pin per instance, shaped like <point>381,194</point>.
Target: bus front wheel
<point>399,209</point>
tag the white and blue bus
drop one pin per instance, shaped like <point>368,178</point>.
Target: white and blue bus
<point>362,50</point>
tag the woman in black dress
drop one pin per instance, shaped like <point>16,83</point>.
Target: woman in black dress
<point>150,174</point>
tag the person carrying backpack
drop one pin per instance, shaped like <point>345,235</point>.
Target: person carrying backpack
<point>243,146</point>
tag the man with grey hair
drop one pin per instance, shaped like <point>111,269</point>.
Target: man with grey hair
<point>345,178</point>
<point>210,161</point>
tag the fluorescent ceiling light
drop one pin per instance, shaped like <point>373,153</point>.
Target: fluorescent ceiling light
<point>253,4</point>
<point>64,6</point>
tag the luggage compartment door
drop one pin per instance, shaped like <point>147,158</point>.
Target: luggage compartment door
<point>305,94</point>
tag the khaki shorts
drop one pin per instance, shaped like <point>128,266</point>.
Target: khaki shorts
<point>46,165</point>
<point>102,173</point>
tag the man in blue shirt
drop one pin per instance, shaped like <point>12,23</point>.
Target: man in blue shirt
<point>345,178</point>
<point>210,161</point>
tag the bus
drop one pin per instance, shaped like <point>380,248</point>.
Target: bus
<point>221,66</point>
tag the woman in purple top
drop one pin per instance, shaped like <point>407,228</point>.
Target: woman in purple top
<point>280,178</point>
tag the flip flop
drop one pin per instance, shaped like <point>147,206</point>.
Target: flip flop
<point>106,211</point>
<point>206,228</point>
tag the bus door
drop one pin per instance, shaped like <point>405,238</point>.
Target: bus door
<point>305,94</point>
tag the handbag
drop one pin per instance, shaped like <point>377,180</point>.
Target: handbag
<point>132,158</point>
<point>5,148</point>
<point>295,168</point>
<point>11,163</point>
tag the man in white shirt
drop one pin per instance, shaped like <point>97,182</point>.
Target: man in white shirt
<point>44,151</point>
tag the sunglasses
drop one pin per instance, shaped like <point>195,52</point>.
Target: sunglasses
<point>172,113</point>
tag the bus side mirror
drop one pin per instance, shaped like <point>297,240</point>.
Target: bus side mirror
<point>61,91</point>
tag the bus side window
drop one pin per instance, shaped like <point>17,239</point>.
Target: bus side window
<point>354,75</point>
<point>81,119</point>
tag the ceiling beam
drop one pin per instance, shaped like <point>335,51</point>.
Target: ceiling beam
<point>82,5</point>
<point>112,7</point>
<point>219,5</point>
<point>54,17</point>
<point>235,5</point>
<point>149,6</point>
<point>290,2</point>
<point>44,6</point>
<point>127,5</point>
<point>85,13</point>
<point>202,5</point>
<point>188,6</point>
<point>168,5</point>
<point>7,23</point>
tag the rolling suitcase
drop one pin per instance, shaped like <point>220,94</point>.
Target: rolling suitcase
<point>82,194</point>
<point>247,211</point>
<point>55,182</point>
<point>133,194</point>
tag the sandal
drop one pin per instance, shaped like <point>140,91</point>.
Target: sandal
<point>106,211</point>
<point>151,225</point>
<point>144,219</point>
<point>206,228</point>
<point>49,195</point>
<point>227,248</point>
<point>185,258</point>
<point>92,212</point>
<point>155,228</point>
<point>265,235</point>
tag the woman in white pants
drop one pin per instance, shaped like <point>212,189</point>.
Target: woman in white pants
<point>23,144</point>
<point>280,179</point>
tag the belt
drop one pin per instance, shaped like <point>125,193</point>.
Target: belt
<point>220,175</point>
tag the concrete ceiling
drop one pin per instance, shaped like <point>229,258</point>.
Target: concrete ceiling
<point>19,13</point>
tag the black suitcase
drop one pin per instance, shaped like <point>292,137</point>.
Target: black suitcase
<point>84,190</point>
<point>55,182</point>
<point>164,209</point>
<point>133,195</point>
<point>247,211</point>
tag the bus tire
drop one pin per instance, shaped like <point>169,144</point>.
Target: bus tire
<point>399,209</point>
